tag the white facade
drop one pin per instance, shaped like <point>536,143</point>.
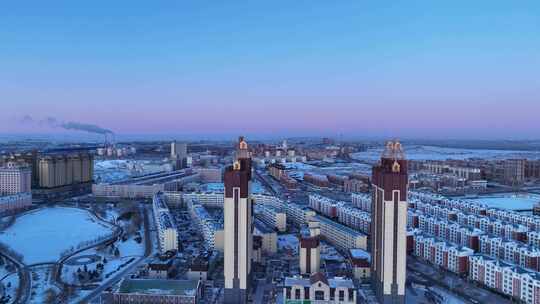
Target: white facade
<point>241,231</point>
<point>167,233</point>
<point>15,179</point>
<point>339,235</point>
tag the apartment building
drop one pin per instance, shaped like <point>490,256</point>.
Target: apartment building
<point>339,235</point>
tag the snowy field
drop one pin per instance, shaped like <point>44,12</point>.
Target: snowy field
<point>42,235</point>
<point>438,153</point>
<point>510,201</point>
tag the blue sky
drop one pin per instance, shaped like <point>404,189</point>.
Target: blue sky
<point>458,69</point>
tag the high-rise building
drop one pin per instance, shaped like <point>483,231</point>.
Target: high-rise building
<point>389,225</point>
<point>179,155</point>
<point>514,171</point>
<point>238,226</point>
<point>15,178</point>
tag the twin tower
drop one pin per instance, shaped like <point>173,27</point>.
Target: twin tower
<point>388,230</point>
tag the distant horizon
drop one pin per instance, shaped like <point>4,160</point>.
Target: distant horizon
<point>358,68</point>
<point>224,137</point>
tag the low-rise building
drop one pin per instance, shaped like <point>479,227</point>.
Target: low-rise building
<point>319,289</point>
<point>145,291</point>
<point>361,264</point>
<point>272,216</point>
<point>14,203</point>
<point>339,235</point>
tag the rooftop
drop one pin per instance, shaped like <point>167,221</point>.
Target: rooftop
<point>163,287</point>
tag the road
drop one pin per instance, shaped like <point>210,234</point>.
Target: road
<point>148,250</point>
<point>22,296</point>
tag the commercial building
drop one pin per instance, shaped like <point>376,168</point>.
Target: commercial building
<point>319,289</point>
<point>145,187</point>
<point>15,178</point>
<point>389,225</point>
<point>145,291</point>
<point>238,227</point>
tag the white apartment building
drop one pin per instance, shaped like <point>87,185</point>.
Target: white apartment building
<point>15,179</point>
<point>272,216</point>
<point>339,235</point>
<point>167,233</point>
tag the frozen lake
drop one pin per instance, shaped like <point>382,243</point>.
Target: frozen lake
<point>41,235</point>
<point>510,201</point>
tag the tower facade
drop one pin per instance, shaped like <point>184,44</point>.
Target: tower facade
<point>179,155</point>
<point>310,254</point>
<point>389,225</point>
<point>238,226</point>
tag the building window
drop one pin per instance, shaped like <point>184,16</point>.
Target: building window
<point>342,295</point>
<point>297,294</point>
<point>319,295</point>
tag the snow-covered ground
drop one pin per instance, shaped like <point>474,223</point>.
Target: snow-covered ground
<point>10,283</point>
<point>438,153</point>
<point>288,242</point>
<point>42,284</point>
<point>510,201</point>
<point>129,251</point>
<point>42,235</point>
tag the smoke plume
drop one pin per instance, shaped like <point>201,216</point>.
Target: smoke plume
<point>70,125</point>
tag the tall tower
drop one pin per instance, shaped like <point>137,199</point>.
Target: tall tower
<point>179,155</point>
<point>238,226</point>
<point>389,225</point>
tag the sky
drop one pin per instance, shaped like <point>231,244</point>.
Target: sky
<point>409,69</point>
